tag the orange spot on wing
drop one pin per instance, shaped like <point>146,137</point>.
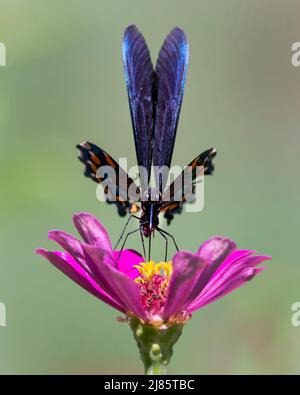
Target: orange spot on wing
<point>170,207</point>
<point>134,208</point>
<point>194,164</point>
<point>94,158</point>
<point>110,161</point>
<point>93,167</point>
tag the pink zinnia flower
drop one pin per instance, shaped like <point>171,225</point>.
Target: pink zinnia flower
<point>157,297</point>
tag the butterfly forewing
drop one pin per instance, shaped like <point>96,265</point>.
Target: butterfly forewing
<point>171,70</point>
<point>140,83</point>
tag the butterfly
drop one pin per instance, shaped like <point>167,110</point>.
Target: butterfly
<point>155,97</point>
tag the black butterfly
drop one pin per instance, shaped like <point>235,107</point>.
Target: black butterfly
<point>155,97</point>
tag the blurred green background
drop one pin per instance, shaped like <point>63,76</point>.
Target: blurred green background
<point>64,84</point>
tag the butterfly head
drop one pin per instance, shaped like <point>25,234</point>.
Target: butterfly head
<point>151,206</point>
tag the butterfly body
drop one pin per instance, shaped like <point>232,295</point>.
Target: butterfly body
<point>155,97</point>
<point>150,210</point>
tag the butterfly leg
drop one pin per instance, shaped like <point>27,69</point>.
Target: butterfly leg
<point>169,235</point>
<point>124,242</point>
<point>166,240</point>
<point>149,251</point>
<point>123,230</point>
<point>143,243</point>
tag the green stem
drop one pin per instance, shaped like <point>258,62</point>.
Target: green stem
<point>155,344</point>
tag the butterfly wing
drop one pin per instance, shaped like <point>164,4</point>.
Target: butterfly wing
<point>171,70</point>
<point>116,180</point>
<point>140,83</point>
<point>178,192</point>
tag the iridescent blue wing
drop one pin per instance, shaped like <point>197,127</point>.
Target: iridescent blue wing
<point>119,188</point>
<point>140,83</point>
<point>171,70</point>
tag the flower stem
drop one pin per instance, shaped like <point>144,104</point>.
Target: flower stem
<point>155,344</point>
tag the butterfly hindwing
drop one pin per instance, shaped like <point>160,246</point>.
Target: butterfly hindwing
<point>117,182</point>
<point>176,195</point>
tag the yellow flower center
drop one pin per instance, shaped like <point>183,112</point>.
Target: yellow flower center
<point>148,269</point>
<point>153,283</point>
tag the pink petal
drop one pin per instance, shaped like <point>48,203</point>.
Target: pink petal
<point>231,259</point>
<point>215,250</point>
<point>111,279</point>
<point>127,260</point>
<point>234,273</point>
<point>92,231</point>
<point>66,264</point>
<point>229,287</point>
<point>231,270</point>
<point>74,248</point>
<point>71,245</point>
<point>189,274</point>
<point>185,287</point>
